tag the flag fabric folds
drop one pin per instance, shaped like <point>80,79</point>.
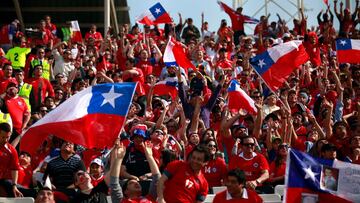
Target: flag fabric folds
<point>154,15</point>
<point>277,63</point>
<point>167,87</point>
<point>309,179</point>
<point>174,55</point>
<point>348,50</point>
<point>91,118</point>
<point>238,99</point>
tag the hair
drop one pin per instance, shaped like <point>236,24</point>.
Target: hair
<point>246,137</point>
<point>5,127</point>
<point>167,157</point>
<point>201,149</point>
<point>239,174</point>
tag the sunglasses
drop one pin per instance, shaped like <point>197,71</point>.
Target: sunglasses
<point>211,145</point>
<point>249,144</point>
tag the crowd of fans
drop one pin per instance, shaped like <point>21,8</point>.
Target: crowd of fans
<point>177,149</point>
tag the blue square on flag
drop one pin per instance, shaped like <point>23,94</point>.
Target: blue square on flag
<point>111,98</point>
<point>343,44</point>
<point>262,62</point>
<point>157,10</point>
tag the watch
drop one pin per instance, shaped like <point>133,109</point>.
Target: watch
<point>257,182</point>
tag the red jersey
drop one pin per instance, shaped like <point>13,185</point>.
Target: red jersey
<point>183,184</point>
<point>25,176</point>
<point>17,108</point>
<point>43,87</point>
<point>139,78</point>
<point>96,36</point>
<point>249,196</point>
<point>9,161</point>
<point>145,66</point>
<point>224,64</point>
<point>215,171</point>
<point>252,167</point>
<point>237,20</point>
<point>277,171</point>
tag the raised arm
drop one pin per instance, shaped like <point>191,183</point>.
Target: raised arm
<point>153,168</point>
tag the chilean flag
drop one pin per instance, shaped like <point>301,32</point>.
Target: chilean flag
<point>238,99</point>
<point>167,87</point>
<point>348,50</point>
<point>91,118</point>
<point>310,179</point>
<point>155,15</point>
<point>174,55</point>
<point>277,63</point>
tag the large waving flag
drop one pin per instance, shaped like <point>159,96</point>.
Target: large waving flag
<point>167,87</point>
<point>238,99</point>
<point>277,63</point>
<point>91,118</point>
<point>348,50</point>
<point>154,15</point>
<point>317,180</point>
<point>174,55</point>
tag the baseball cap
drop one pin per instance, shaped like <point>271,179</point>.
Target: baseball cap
<point>97,161</point>
<point>139,130</point>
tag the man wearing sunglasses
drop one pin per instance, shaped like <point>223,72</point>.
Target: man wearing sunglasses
<point>254,165</point>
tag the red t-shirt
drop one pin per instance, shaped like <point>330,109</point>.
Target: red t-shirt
<point>25,176</point>
<point>96,36</point>
<point>145,66</point>
<point>277,171</point>
<point>251,196</point>
<point>215,171</point>
<point>9,161</point>
<point>17,108</point>
<point>224,64</point>
<point>251,167</point>
<point>46,88</point>
<point>183,184</point>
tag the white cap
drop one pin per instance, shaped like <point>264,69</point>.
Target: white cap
<point>97,161</point>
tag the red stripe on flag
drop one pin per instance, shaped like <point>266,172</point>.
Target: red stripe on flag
<point>284,66</point>
<point>92,134</point>
<point>348,56</point>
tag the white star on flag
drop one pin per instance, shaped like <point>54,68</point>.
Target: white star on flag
<point>110,97</point>
<point>157,10</point>
<point>342,42</point>
<point>261,63</point>
<point>309,173</point>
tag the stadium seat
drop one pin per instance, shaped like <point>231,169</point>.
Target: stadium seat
<point>218,189</point>
<point>17,200</point>
<point>279,189</point>
<point>209,198</point>
<point>271,198</point>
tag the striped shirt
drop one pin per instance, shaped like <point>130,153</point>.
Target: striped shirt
<point>62,171</point>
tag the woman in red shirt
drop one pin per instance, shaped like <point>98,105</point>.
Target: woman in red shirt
<point>278,166</point>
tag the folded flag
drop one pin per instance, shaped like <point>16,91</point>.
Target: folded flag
<point>348,50</point>
<point>154,15</point>
<point>238,99</point>
<point>309,179</point>
<point>277,63</point>
<point>174,55</point>
<point>91,118</point>
<point>167,87</point>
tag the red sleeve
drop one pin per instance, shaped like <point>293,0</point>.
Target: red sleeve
<point>264,163</point>
<point>15,159</point>
<point>203,190</point>
<point>50,89</point>
<point>172,168</point>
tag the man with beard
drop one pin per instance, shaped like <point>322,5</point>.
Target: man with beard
<point>17,108</point>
